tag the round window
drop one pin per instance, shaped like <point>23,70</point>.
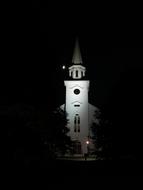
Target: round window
<point>76,91</point>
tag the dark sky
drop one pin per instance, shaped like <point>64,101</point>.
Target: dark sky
<point>34,72</point>
<point>113,62</point>
<point>37,75</point>
<point>31,72</point>
<point>40,78</point>
<point>106,64</point>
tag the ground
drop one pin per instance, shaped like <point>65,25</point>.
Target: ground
<point>81,167</point>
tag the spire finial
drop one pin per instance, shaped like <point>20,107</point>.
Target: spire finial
<point>77,59</point>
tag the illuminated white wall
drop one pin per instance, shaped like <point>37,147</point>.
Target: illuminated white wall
<point>91,119</point>
<point>77,104</point>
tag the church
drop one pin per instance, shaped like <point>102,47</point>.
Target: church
<point>80,113</point>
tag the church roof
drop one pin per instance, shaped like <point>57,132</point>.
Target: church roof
<point>77,59</point>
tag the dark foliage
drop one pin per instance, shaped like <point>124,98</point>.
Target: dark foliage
<point>34,135</point>
<point>102,137</point>
<point>126,115</point>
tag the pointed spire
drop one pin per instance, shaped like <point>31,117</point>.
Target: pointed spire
<point>77,59</point>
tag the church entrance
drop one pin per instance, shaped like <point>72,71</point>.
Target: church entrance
<point>76,147</point>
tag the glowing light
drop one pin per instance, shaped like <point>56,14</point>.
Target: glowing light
<point>87,142</point>
<point>63,66</point>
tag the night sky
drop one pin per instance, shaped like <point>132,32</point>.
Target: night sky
<point>106,64</point>
<point>115,76</point>
<point>35,77</point>
<point>106,67</point>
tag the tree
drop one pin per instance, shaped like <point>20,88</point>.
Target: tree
<point>56,135</point>
<point>102,136</point>
<point>35,133</point>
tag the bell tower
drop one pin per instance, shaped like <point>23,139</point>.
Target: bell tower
<point>77,102</point>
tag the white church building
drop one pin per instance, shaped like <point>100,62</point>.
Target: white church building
<point>80,113</point>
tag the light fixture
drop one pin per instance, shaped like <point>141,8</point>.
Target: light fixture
<point>87,142</point>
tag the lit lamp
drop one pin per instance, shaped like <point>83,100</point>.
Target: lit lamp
<point>87,142</point>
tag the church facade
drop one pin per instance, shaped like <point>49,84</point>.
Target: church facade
<point>80,113</point>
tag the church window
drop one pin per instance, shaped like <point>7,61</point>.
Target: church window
<point>76,91</point>
<point>78,128</point>
<point>76,105</point>
<point>78,120</point>
<point>77,123</point>
<point>76,73</point>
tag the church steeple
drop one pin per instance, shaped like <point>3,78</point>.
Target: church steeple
<point>77,59</point>
<point>77,71</point>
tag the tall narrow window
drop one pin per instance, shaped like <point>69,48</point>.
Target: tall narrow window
<point>78,120</point>
<point>76,73</point>
<point>76,123</point>
<point>71,74</point>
